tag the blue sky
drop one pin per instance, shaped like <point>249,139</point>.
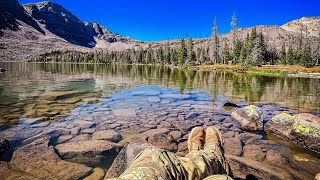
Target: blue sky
<point>153,20</point>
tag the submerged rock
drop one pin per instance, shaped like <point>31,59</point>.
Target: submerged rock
<point>154,99</point>
<point>54,96</point>
<point>109,135</point>
<point>191,116</point>
<point>84,124</point>
<point>98,174</point>
<point>125,112</point>
<point>249,117</point>
<point>4,145</point>
<point>230,104</point>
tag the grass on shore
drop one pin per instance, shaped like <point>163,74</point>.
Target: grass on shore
<point>270,70</point>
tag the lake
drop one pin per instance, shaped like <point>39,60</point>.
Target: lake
<point>134,99</point>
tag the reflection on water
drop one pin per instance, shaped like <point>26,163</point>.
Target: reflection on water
<point>46,92</point>
<point>78,100</point>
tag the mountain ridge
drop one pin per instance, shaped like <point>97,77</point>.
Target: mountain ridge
<point>32,29</point>
<point>63,23</point>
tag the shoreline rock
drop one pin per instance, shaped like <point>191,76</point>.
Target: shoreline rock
<point>90,152</point>
<point>281,125</point>
<point>303,129</point>
<point>41,161</point>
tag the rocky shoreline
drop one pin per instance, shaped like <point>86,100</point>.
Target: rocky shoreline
<point>101,139</point>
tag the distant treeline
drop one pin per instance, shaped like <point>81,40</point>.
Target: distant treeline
<point>251,51</point>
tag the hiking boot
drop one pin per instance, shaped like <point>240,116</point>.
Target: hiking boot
<point>214,141</point>
<point>196,139</point>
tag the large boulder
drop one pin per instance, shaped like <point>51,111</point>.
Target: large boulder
<point>89,152</point>
<point>249,117</point>
<point>303,129</point>
<point>40,161</point>
<point>242,167</point>
<point>281,125</point>
<point>306,131</point>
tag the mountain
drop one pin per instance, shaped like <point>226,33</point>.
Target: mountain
<point>309,24</point>
<point>32,29</point>
<point>64,24</point>
<point>10,12</point>
<point>27,31</point>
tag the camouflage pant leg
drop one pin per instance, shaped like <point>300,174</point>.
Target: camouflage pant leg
<point>155,164</point>
<point>203,163</point>
<point>160,164</point>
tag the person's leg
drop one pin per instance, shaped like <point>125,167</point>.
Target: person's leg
<point>160,164</point>
<point>208,161</point>
<point>155,164</point>
<point>204,159</point>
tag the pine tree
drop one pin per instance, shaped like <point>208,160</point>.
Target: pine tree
<point>173,57</point>
<point>226,53</point>
<point>237,58</point>
<point>283,55</point>
<point>262,57</point>
<point>245,51</point>
<point>317,51</point>
<point>290,56</point>
<point>306,59</point>
<point>253,36</point>
<point>182,53</point>
<point>297,57</point>
<point>191,56</point>
<point>234,28</point>
<point>215,35</point>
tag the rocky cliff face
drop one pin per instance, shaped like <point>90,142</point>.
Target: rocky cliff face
<point>60,22</point>
<point>10,12</point>
<point>64,24</point>
<point>32,29</point>
<point>311,25</point>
